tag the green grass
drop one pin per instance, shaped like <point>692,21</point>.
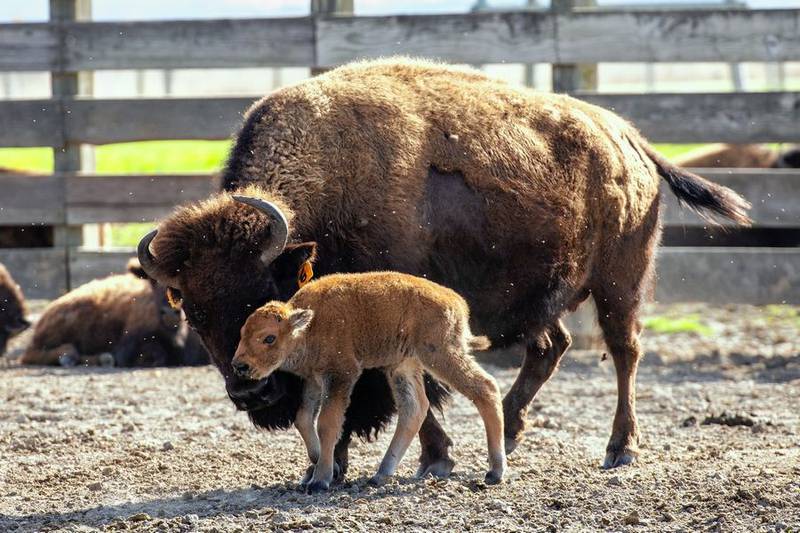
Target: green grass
<point>130,158</point>
<point>683,324</point>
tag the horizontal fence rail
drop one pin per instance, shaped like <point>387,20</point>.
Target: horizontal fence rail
<point>722,117</point>
<point>81,199</point>
<point>524,36</point>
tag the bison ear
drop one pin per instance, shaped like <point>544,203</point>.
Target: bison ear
<point>135,268</point>
<point>286,266</point>
<point>299,320</point>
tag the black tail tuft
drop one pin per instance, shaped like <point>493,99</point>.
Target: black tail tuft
<point>700,194</point>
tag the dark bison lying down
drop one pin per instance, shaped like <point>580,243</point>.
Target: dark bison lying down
<point>525,203</point>
<point>740,156</point>
<point>123,320</point>
<point>12,309</point>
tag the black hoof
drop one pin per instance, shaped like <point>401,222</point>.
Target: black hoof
<point>316,487</point>
<point>493,478</point>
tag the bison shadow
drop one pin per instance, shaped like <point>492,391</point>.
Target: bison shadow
<point>266,501</point>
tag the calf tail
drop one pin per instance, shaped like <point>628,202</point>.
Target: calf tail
<point>479,343</point>
<point>698,193</point>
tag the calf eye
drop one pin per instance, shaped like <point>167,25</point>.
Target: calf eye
<point>269,339</point>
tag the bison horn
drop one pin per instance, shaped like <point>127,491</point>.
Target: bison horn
<point>146,259</point>
<point>279,227</point>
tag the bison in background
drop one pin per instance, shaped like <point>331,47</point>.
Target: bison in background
<point>12,309</point>
<point>122,320</point>
<point>739,156</point>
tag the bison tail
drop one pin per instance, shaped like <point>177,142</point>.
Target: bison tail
<point>479,343</point>
<point>705,197</point>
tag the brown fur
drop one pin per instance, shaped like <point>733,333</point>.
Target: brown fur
<point>125,315</point>
<point>12,309</point>
<point>524,202</point>
<point>333,329</point>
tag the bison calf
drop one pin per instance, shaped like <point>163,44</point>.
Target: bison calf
<point>12,309</point>
<point>332,330</point>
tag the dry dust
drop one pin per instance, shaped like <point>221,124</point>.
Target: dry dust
<point>164,449</point>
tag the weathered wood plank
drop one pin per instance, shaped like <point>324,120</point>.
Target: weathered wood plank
<point>30,199</point>
<point>41,272</point>
<point>158,44</point>
<point>581,37</point>
<point>713,275</point>
<point>524,36</point>
<point>28,47</point>
<point>722,117</point>
<point>729,275</point>
<point>132,198</point>
<point>680,35</point>
<point>110,121</point>
<point>85,265</point>
<point>30,123</point>
<point>774,194</point>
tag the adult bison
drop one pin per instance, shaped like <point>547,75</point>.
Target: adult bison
<point>12,309</point>
<point>523,202</point>
<point>121,320</point>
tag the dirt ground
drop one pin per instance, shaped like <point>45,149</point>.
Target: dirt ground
<point>164,449</point>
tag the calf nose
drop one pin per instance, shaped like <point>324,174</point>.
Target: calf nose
<point>241,369</point>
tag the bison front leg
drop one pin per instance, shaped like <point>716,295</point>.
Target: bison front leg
<point>544,351</point>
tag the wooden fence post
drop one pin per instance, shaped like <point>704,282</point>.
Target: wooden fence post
<point>329,7</point>
<point>70,157</point>
<point>569,78</point>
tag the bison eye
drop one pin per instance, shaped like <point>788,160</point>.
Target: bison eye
<point>269,339</point>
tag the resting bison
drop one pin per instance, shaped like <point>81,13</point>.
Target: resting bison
<point>123,320</point>
<point>525,203</point>
<point>740,156</point>
<point>12,309</point>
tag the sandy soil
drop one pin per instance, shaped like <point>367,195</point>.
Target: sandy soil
<point>87,449</point>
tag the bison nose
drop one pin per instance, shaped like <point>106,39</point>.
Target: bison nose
<point>241,369</point>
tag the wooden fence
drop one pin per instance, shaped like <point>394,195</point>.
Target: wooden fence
<point>66,200</point>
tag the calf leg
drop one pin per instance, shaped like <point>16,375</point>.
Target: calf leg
<point>543,353</point>
<point>412,405</point>
<point>304,422</point>
<point>461,371</point>
<point>336,397</point>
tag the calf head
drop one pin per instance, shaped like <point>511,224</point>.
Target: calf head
<point>268,337</point>
<point>219,261</point>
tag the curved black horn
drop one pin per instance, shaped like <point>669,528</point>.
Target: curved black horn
<point>279,227</point>
<point>146,259</point>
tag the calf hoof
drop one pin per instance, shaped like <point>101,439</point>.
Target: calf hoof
<point>439,469</point>
<point>493,477</point>
<point>315,487</point>
<point>106,360</point>
<point>623,457</point>
<point>377,480</point>
<point>68,360</point>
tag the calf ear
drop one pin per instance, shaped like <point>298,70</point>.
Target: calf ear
<point>299,320</point>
